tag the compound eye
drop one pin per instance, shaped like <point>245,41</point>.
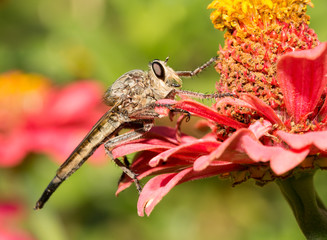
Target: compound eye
<point>158,70</point>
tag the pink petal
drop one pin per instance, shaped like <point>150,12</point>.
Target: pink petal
<point>300,141</point>
<point>14,234</point>
<point>76,97</point>
<point>243,148</point>
<point>156,138</point>
<point>13,148</point>
<point>156,188</point>
<point>282,160</point>
<point>75,103</point>
<point>208,113</point>
<point>302,78</point>
<point>159,186</point>
<point>260,128</point>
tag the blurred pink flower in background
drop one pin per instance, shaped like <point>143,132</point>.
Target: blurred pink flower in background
<point>37,117</point>
<point>12,217</point>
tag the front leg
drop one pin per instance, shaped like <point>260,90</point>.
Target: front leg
<point>202,95</point>
<point>175,92</point>
<point>197,70</point>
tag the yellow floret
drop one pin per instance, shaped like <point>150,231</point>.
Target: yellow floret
<point>231,14</point>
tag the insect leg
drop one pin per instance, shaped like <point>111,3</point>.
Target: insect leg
<point>145,113</point>
<point>202,95</point>
<point>175,92</point>
<point>126,137</point>
<point>173,110</point>
<point>197,70</point>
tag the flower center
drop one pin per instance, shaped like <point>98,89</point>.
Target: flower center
<point>20,94</point>
<point>257,15</point>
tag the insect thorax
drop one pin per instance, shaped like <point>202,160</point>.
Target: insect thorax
<point>132,90</point>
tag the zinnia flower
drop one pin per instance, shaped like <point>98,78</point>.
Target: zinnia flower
<point>274,130</point>
<point>37,117</point>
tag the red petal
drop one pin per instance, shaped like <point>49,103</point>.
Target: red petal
<point>299,141</point>
<point>198,148</point>
<point>156,138</point>
<point>141,167</point>
<point>243,148</point>
<point>131,147</point>
<point>302,78</point>
<point>208,113</point>
<point>261,107</point>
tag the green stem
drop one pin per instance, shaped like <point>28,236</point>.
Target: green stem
<point>308,209</point>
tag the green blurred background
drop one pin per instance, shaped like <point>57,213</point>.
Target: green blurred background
<point>68,40</point>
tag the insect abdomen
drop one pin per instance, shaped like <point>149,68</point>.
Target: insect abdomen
<point>102,131</point>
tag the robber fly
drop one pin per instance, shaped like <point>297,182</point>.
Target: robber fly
<point>132,98</point>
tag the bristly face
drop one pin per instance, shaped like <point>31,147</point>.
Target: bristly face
<point>163,78</point>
